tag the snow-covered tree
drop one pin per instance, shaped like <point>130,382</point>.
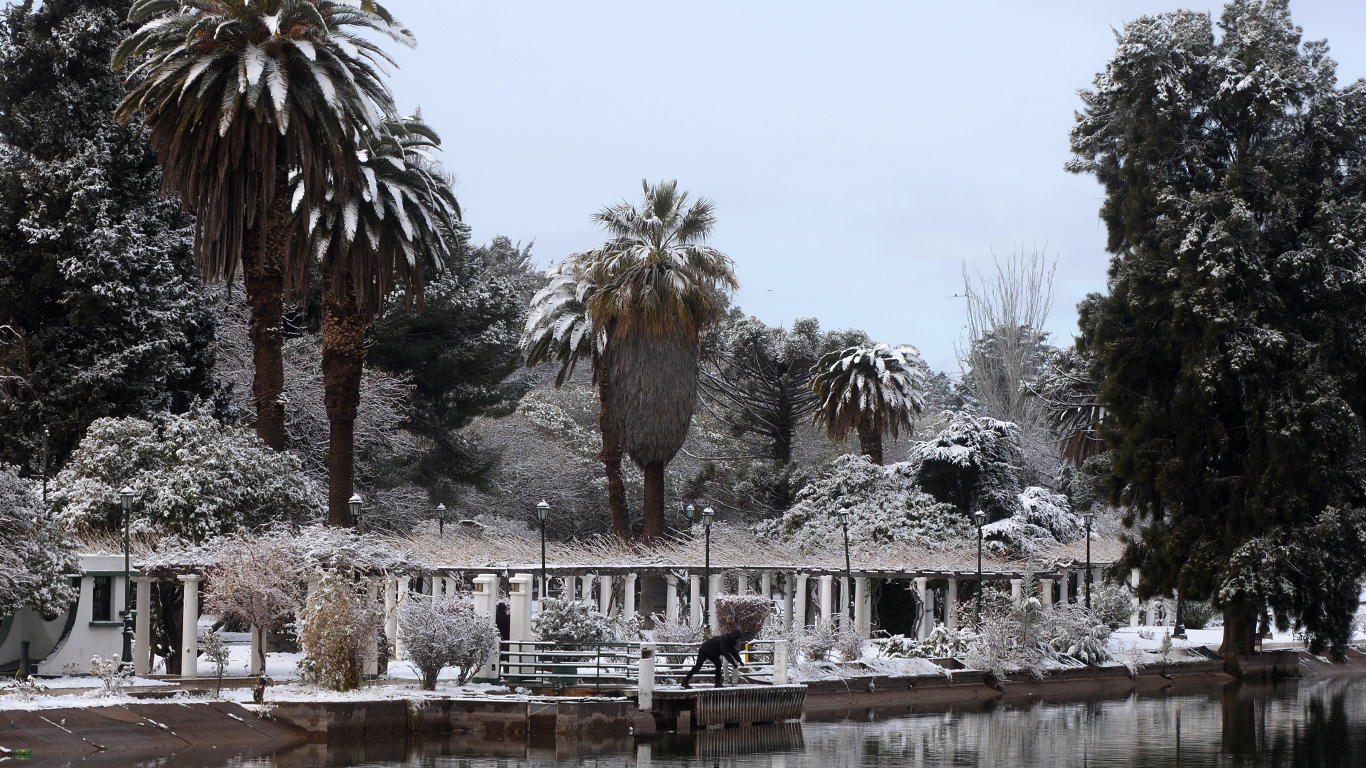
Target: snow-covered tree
<point>570,621</point>
<point>35,555</point>
<point>339,628</point>
<point>871,390</point>
<point>1231,342</point>
<point>190,475</point>
<point>254,580</point>
<point>885,504</point>
<point>441,631</point>
<point>975,462</point>
<point>96,272</point>
<point>1041,519</point>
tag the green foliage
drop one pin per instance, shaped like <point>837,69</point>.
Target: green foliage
<point>570,621</point>
<point>96,273</point>
<point>460,353</point>
<point>973,463</point>
<point>338,630</point>
<point>1231,345</point>
<point>1196,614</point>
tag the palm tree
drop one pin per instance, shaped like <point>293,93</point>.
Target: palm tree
<point>400,217</point>
<point>874,390</point>
<point>558,330</point>
<point>237,95</point>
<point>657,287</point>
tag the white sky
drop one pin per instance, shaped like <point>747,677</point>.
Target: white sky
<point>857,153</point>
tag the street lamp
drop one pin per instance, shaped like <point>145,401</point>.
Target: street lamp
<point>979,518</point>
<point>848,568</point>
<point>126,498</point>
<point>690,510</point>
<point>440,520</point>
<point>1089,517</point>
<point>707,515</point>
<point>1180,623</point>
<point>542,512</point>
<point>45,437</point>
<point>355,503</point>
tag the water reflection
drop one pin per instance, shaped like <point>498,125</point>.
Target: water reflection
<point>1310,726</point>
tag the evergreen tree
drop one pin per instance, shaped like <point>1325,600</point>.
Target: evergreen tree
<point>96,273</point>
<point>1231,346</point>
<point>460,350</point>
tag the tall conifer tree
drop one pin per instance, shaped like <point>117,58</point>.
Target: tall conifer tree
<point>96,271</point>
<point>1231,346</point>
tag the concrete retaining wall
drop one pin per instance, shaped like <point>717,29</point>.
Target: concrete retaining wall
<point>355,721</point>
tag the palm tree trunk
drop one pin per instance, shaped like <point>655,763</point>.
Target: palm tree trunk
<point>611,463</point>
<point>343,327</point>
<point>264,274</point>
<point>870,439</point>
<point>653,513</point>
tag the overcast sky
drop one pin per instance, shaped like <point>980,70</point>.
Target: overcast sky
<point>858,153</point>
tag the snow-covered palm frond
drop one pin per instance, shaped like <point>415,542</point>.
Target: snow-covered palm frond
<point>882,384</point>
<point>558,329</point>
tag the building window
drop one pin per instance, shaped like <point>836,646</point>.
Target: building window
<point>102,604</point>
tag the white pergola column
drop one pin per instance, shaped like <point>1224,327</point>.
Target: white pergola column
<point>371,657</point>
<point>1046,591</point>
<point>951,604</point>
<point>926,608</point>
<point>586,589</point>
<point>605,595</point>
<point>402,586</point>
<point>1133,582</point>
<point>486,604</point>
<point>766,584</point>
<point>189,626</point>
<point>799,600</point>
<point>390,615</point>
<point>519,603</point>
<point>628,596</point>
<point>670,597</point>
<point>713,591</point>
<point>862,607</point>
<point>1017,589</point>
<point>824,595</point>
<point>789,588</point>
<point>695,593</point>
<point>142,626</point>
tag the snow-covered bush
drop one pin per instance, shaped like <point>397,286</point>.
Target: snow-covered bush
<point>35,555</point>
<point>884,503</point>
<point>339,630</point>
<point>679,630</point>
<point>569,622</point>
<point>440,631</point>
<point>113,673</point>
<point>213,648</point>
<point>747,612</point>
<point>1112,604</point>
<point>1196,614</point>
<point>190,475</point>
<point>255,580</point>
<point>942,643</point>
<point>1040,520</point>
<point>815,642</point>
<point>975,462</point>
<point>1071,630</point>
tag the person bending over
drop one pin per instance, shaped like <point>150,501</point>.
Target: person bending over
<point>718,650</point>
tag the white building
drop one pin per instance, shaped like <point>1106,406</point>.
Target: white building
<point>90,626</point>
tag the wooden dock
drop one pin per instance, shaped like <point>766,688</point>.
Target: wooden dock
<point>679,710</point>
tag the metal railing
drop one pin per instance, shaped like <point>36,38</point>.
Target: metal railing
<point>563,665</point>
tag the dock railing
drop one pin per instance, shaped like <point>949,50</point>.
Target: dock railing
<point>617,665</point>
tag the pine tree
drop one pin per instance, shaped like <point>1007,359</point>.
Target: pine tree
<point>96,273</point>
<point>1231,346</point>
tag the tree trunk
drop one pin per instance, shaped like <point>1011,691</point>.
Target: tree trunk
<point>264,274</point>
<point>653,512</point>
<point>611,461</point>
<point>343,327</point>
<point>870,439</point>
<point>1240,632</point>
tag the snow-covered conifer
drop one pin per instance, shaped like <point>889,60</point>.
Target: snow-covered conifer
<point>35,556</point>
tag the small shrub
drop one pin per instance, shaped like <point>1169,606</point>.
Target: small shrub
<point>569,622</point>
<point>1112,604</point>
<point>113,673</point>
<point>815,642</point>
<point>445,631</point>
<point>212,646</point>
<point>748,612</point>
<point>1073,631</point>
<point>340,624</point>
<point>677,630</point>
<point>1196,614</point>
<point>942,643</point>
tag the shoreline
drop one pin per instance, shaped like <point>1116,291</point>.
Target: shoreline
<point>116,732</point>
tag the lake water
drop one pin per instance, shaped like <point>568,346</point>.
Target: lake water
<point>1290,724</point>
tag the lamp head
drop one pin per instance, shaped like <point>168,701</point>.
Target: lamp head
<point>844,518</point>
<point>355,503</point>
<point>542,510</point>
<point>707,515</point>
<point>979,518</point>
<point>1089,517</point>
<point>441,511</point>
<point>126,498</point>
<point>691,510</point>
